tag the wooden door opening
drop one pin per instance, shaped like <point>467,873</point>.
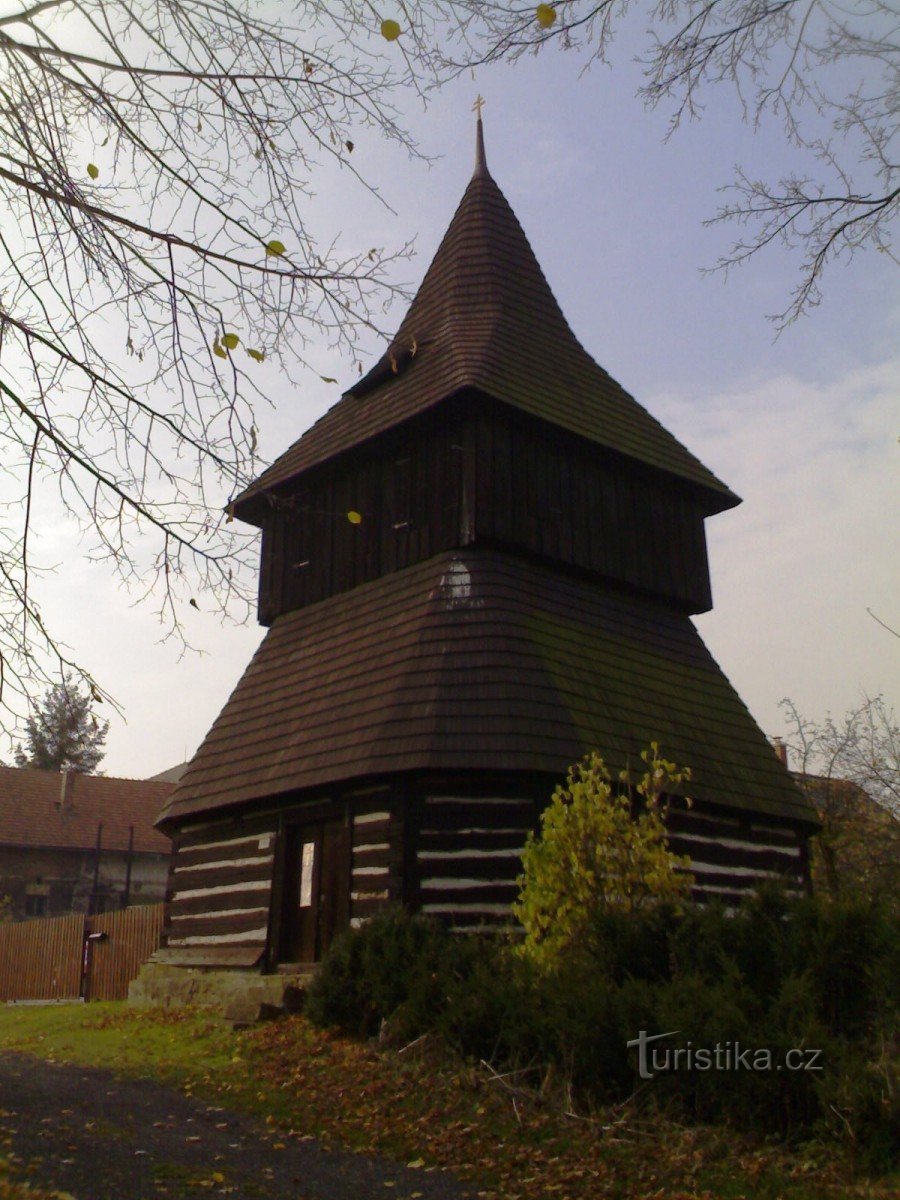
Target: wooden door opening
<point>316,894</point>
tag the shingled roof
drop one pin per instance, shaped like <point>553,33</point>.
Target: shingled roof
<point>478,661</point>
<point>485,319</point>
<point>33,812</point>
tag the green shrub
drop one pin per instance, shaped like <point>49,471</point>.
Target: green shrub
<point>778,975</point>
<point>487,1006</point>
<point>852,950</point>
<point>411,971</point>
<point>586,1021</point>
<point>634,946</point>
<point>394,959</point>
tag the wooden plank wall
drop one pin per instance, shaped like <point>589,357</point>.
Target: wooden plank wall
<point>408,496</point>
<point>44,959</point>
<point>220,884</point>
<point>469,855</point>
<point>132,935</point>
<point>546,493</point>
<point>527,486</point>
<point>41,960</point>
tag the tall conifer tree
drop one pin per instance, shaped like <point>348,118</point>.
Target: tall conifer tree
<point>62,733</point>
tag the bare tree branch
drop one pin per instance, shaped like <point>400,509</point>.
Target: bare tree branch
<point>850,769</point>
<point>156,158</point>
<point>829,73</point>
<point>155,247</point>
<point>883,624</point>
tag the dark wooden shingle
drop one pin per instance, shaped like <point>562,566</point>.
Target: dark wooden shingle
<point>477,660</point>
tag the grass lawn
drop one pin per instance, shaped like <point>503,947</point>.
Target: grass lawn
<point>421,1107</point>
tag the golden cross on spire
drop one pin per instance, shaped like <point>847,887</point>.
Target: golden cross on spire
<point>478,105</point>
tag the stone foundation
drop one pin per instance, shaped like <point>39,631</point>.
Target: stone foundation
<point>243,996</point>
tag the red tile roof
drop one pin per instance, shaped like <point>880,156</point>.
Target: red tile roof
<point>485,318</point>
<point>476,660</point>
<point>31,813</point>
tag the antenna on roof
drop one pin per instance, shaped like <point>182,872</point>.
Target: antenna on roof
<point>480,160</point>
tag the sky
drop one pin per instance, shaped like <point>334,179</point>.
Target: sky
<point>803,426</point>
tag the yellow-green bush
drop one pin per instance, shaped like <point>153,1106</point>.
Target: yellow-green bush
<point>602,850</point>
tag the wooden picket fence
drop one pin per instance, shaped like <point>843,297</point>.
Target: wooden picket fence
<point>75,957</point>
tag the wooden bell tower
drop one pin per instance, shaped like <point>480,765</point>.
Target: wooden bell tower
<point>479,565</point>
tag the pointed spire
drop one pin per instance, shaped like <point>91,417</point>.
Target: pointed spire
<point>485,320</point>
<point>481,170</point>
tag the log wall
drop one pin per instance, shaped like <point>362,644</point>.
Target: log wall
<point>376,868</point>
<point>221,883</point>
<point>731,855</point>
<point>453,856</point>
<point>468,857</point>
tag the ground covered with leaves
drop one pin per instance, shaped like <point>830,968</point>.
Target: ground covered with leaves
<point>422,1109</point>
<point>92,1135</point>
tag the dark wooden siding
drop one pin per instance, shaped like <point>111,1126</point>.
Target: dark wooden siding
<point>542,491</point>
<point>494,477</point>
<point>407,493</point>
<point>220,885</point>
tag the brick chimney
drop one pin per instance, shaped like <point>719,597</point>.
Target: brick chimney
<point>781,750</point>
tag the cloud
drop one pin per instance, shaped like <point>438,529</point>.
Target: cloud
<point>813,546</point>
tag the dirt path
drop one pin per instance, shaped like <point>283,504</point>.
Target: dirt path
<point>86,1132</point>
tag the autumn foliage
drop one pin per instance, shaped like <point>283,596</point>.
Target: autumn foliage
<point>601,850</point>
